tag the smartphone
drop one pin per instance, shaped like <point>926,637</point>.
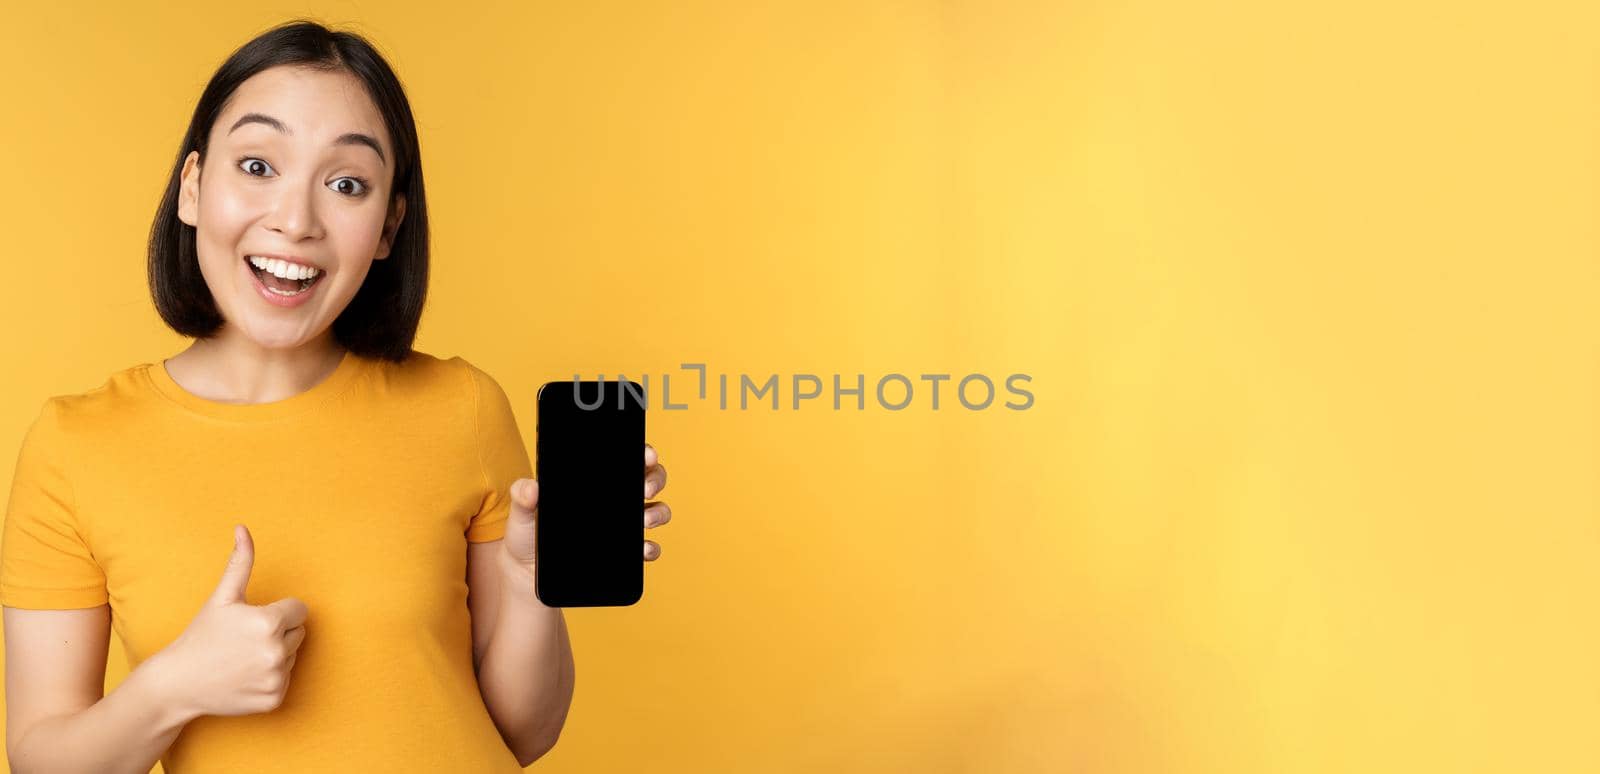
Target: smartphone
<point>590,466</point>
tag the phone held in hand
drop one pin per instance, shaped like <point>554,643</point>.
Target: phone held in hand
<point>590,524</point>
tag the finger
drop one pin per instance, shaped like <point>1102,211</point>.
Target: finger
<point>294,637</point>
<point>236,575</point>
<point>292,657</point>
<point>655,480</point>
<point>657,515</point>
<point>289,612</point>
<point>524,502</point>
<point>521,524</point>
<point>652,551</point>
<point>525,494</point>
<point>650,455</point>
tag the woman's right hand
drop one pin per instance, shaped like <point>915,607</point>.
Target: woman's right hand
<point>235,658</point>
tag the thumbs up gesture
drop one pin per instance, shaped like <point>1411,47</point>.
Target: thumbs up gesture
<point>235,658</point>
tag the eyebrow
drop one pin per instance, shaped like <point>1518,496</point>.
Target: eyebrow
<point>348,138</point>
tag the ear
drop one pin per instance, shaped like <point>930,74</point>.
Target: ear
<point>391,224</point>
<point>189,190</point>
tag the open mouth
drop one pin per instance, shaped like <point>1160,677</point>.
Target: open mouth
<point>279,285</point>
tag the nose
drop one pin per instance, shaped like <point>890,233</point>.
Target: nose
<point>294,213</point>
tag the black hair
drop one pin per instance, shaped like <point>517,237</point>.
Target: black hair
<point>381,319</point>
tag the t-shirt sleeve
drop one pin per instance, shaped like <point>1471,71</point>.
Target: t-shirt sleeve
<point>45,561</point>
<point>501,453</point>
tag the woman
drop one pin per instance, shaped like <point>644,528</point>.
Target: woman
<point>377,501</point>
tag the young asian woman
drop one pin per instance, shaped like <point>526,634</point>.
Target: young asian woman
<point>374,503</point>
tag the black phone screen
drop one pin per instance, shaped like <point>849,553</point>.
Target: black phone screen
<point>590,523</point>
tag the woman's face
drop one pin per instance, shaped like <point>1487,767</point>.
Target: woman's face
<point>290,173</point>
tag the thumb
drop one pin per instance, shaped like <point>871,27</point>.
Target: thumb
<point>525,496</point>
<point>521,534</point>
<point>236,576</point>
<point>524,501</point>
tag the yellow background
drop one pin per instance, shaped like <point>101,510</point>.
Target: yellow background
<point>1307,295</point>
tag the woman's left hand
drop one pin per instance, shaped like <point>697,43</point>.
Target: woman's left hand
<point>656,513</point>
<point>520,533</point>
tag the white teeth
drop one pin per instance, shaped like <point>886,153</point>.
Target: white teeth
<point>284,269</point>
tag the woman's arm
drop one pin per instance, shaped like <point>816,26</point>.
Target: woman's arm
<point>526,676</point>
<point>57,719</point>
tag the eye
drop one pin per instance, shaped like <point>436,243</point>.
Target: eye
<point>360,183</point>
<point>251,159</point>
<point>249,163</point>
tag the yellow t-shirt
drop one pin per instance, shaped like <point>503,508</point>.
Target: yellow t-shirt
<point>361,495</point>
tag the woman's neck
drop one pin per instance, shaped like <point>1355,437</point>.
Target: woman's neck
<point>237,370</point>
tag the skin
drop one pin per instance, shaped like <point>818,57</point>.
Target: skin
<point>526,680</point>
<point>296,194</point>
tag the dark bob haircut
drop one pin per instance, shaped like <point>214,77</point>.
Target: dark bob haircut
<point>381,320</point>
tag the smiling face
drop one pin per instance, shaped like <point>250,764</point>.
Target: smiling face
<point>299,166</point>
